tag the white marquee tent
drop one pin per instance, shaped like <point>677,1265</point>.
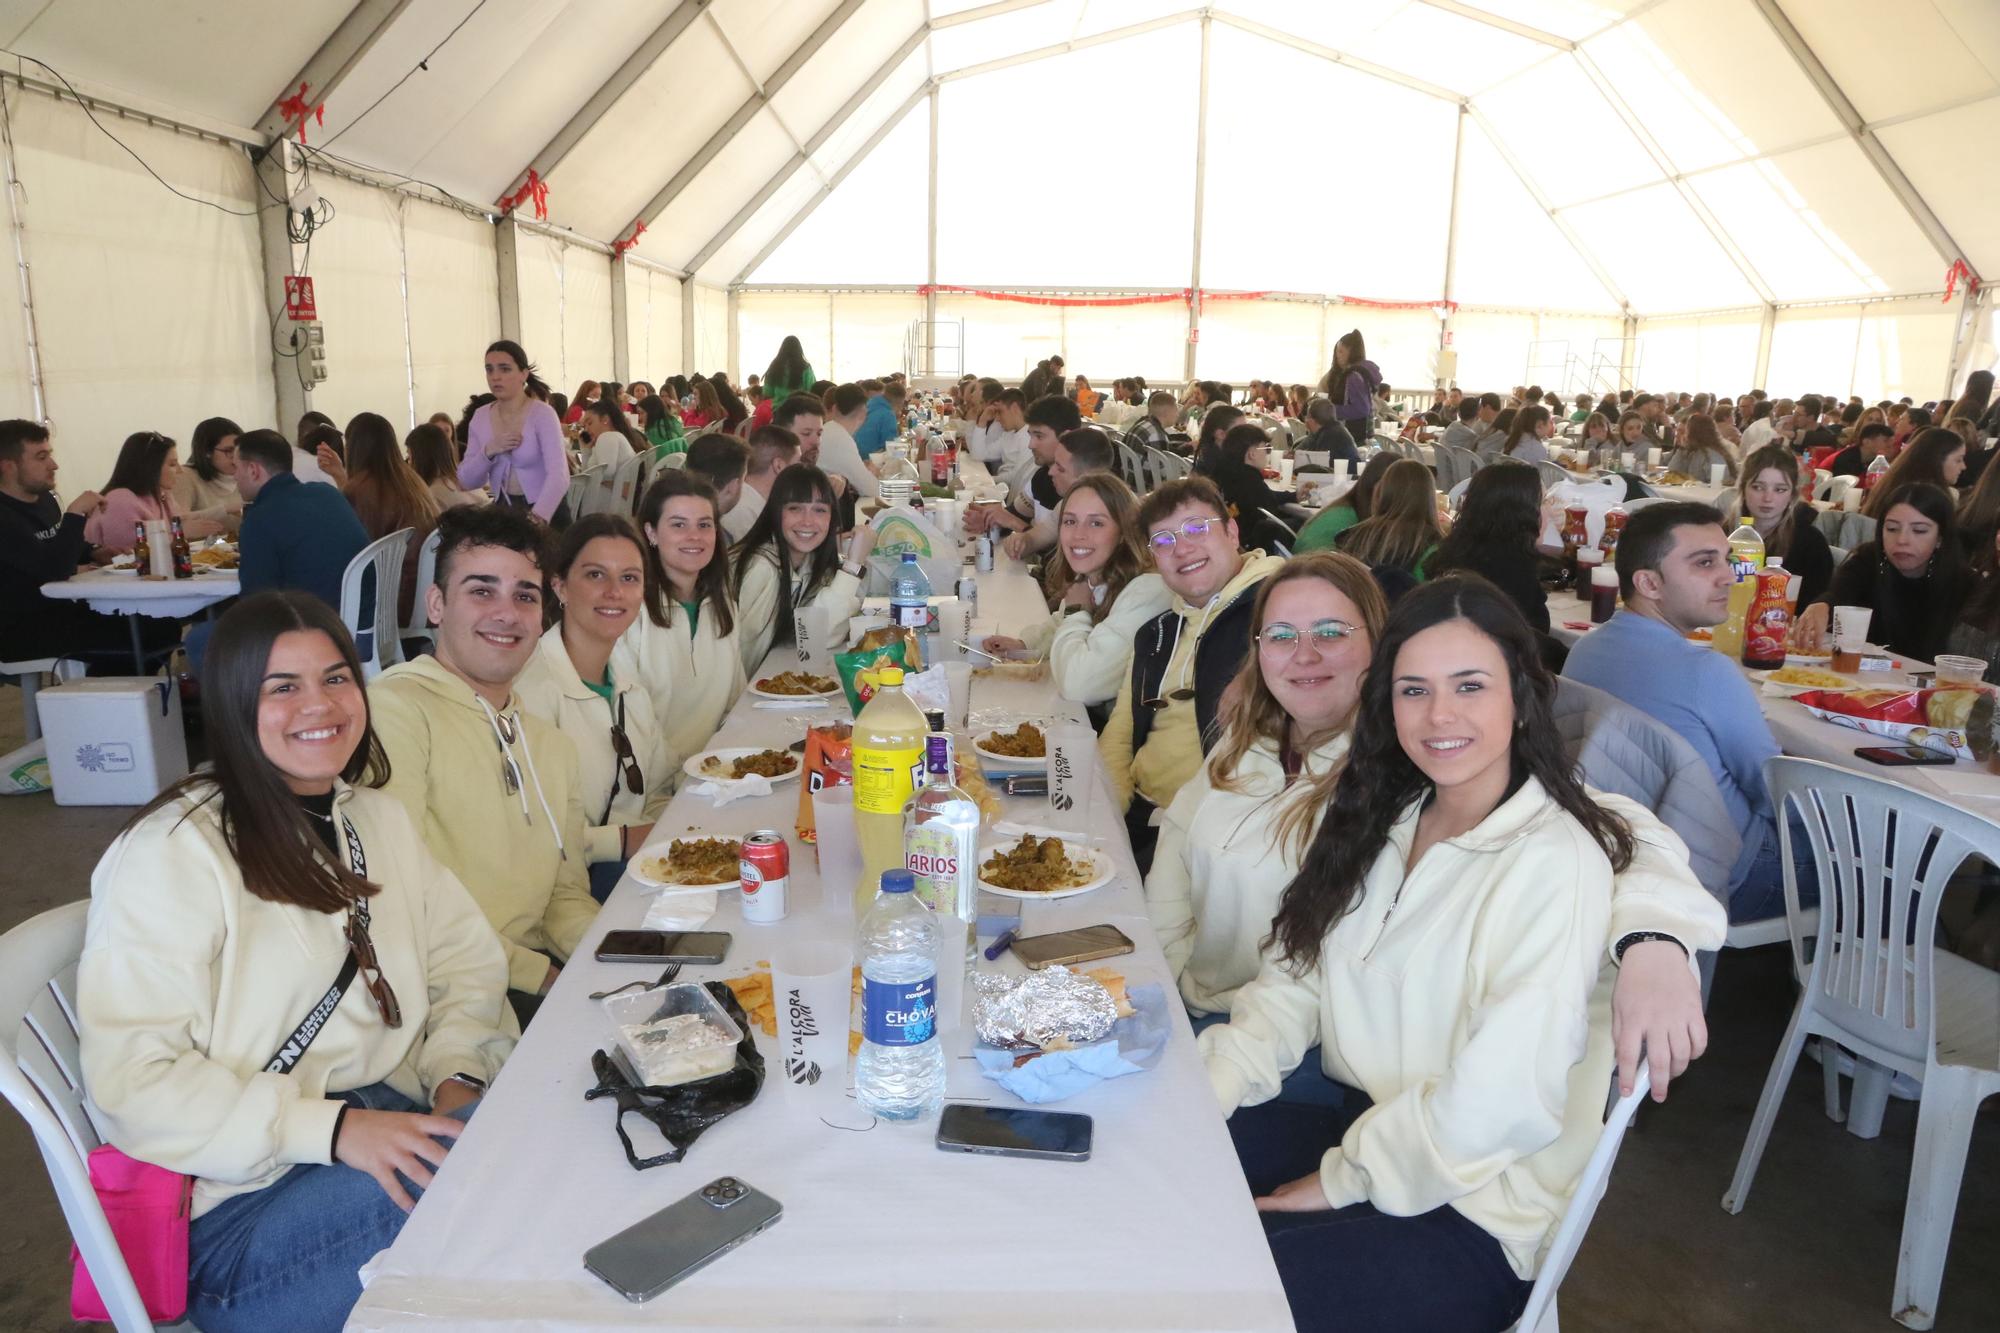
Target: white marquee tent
<point>1679,193</point>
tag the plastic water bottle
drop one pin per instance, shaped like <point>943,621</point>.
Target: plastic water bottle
<point>899,1074</point>
<point>910,595</point>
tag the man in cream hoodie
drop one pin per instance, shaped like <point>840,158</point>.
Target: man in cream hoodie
<point>1185,657</point>
<point>494,792</point>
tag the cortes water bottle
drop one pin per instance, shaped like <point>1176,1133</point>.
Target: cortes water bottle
<point>899,1074</point>
<point>910,595</point>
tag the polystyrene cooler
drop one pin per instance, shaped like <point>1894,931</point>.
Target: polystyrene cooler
<point>113,740</point>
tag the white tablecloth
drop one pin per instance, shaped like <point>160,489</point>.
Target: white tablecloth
<point>124,593</point>
<point>1155,1231</point>
<point>1798,732</point>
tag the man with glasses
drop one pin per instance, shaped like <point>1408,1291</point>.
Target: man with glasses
<point>494,792</point>
<point>1183,659</point>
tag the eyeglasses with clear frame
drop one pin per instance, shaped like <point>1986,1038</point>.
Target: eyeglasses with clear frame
<point>1283,639</point>
<point>1166,538</point>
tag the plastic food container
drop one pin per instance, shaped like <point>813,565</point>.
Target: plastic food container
<point>1955,670</point>
<point>673,1034</point>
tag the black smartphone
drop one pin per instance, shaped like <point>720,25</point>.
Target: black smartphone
<point>1902,756</point>
<point>1071,946</point>
<point>1013,1131</point>
<point>647,1257</point>
<point>663,946</point>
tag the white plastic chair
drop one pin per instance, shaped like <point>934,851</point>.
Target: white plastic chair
<point>41,1076</point>
<point>1540,1314</point>
<point>28,675</point>
<point>376,640</point>
<point>675,460</point>
<point>1885,856</point>
<point>418,626</point>
<point>622,488</point>
<point>586,491</point>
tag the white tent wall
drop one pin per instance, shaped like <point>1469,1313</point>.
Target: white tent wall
<point>150,309</point>
<point>652,323</point>
<point>1403,343</point>
<point>1706,354</point>
<point>565,308</point>
<point>454,302</point>
<point>711,329</point>
<point>356,263</point>
<point>869,330</point>
<point>1882,349</point>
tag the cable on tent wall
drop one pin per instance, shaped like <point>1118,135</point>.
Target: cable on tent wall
<point>422,65</point>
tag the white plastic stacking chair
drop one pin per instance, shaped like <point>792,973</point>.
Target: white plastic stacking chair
<point>675,460</point>
<point>1886,854</point>
<point>1313,458</point>
<point>376,641</point>
<point>622,489</point>
<point>1130,469</point>
<point>1540,1314</point>
<point>1553,474</point>
<point>1157,467</point>
<point>41,1076</point>
<point>1175,465</point>
<point>586,491</point>
<point>418,626</point>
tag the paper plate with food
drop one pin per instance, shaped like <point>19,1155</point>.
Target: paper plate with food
<point>1025,747</point>
<point>1795,678</point>
<point>1035,867</point>
<point>795,685</point>
<point>735,763</point>
<point>689,865</point>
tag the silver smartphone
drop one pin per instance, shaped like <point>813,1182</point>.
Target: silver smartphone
<point>647,1257</point>
<point>1071,946</point>
<point>1013,1131</point>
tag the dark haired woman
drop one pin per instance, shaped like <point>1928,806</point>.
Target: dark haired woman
<point>734,413</point>
<point>1769,501</point>
<point>1358,503</point>
<point>141,490</point>
<point>1527,435</point>
<point>1239,473</point>
<point>388,495</point>
<point>1216,422</point>
<point>789,561</point>
<point>610,436</point>
<point>432,459</point>
<point>788,373</point>
<point>1351,382</point>
<point>1440,943</point>
<point>1495,533</point>
<point>514,444</point>
<point>684,650</point>
<point>663,427</point>
<point>206,487</point>
<point>1913,575</point>
<point>599,578</point>
<point>1935,457</point>
<point>219,920</point>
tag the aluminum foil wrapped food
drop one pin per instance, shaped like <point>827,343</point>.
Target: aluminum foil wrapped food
<point>1054,1009</point>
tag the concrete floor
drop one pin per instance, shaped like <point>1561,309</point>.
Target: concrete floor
<point>1816,1249</point>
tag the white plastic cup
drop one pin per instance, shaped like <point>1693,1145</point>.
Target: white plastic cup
<point>1652,458</point>
<point>838,845</point>
<point>1955,669</point>
<point>1850,626</point>
<point>1284,473</point>
<point>160,543</point>
<point>1717,472</point>
<point>1625,461</point>
<point>812,990</point>
<point>1072,776</point>
<point>958,678</point>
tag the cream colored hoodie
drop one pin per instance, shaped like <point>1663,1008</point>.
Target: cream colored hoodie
<point>522,854</point>
<point>550,688</point>
<point>694,680</point>
<point>757,608</point>
<point>189,984</point>
<point>1460,999</point>
<point>1220,869</point>
<point>1089,662</point>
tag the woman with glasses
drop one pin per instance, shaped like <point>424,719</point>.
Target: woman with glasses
<point>599,577</point>
<point>206,487</point>
<point>275,887</point>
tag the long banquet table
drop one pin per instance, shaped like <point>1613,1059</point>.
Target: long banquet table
<point>880,1229</point>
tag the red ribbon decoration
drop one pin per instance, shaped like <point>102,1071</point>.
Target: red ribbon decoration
<point>1183,296</point>
<point>1959,270</point>
<point>534,188</point>
<point>295,108</point>
<point>638,230</point>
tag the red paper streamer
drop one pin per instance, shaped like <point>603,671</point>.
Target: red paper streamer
<point>534,188</point>
<point>1959,270</point>
<point>296,108</point>
<point>638,230</point>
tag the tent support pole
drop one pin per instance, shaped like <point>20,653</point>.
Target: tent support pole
<point>338,56</point>
<point>18,226</point>
<point>929,362</point>
<point>1764,332</point>
<point>1445,325</point>
<point>621,337</point>
<point>735,342</point>
<point>1961,340</point>
<point>506,249</point>
<point>687,326</point>
<point>282,170</point>
<point>1200,193</point>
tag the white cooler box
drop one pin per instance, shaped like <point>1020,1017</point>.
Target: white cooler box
<point>113,740</point>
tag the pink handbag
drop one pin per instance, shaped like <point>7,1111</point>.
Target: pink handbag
<point>149,1209</point>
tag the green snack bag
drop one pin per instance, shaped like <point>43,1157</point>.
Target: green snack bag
<point>857,670</point>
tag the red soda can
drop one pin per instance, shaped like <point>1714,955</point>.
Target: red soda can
<point>766,866</point>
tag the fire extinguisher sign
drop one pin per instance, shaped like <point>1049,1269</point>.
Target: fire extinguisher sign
<point>299,298</point>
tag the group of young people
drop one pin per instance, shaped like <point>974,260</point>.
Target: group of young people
<point>1414,943</point>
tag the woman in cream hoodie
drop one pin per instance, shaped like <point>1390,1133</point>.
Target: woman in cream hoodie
<point>684,651</point>
<point>1104,588</point>
<point>219,921</point>
<point>1441,943</point>
<point>789,561</point>
<point>599,577</point>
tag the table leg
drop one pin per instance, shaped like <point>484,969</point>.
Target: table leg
<point>138,648</point>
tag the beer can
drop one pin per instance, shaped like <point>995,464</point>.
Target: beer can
<point>766,868</point>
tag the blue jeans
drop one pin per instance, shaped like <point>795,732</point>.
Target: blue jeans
<point>1356,1268</point>
<point>288,1256</point>
<point>1307,1085</point>
<point>1760,894</point>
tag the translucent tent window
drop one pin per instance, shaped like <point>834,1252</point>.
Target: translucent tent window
<point>1110,200</point>
<point>873,228</point>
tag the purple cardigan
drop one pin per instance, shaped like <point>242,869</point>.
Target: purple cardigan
<point>1358,403</point>
<point>540,464</point>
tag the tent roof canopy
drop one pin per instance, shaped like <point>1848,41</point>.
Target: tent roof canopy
<point>1649,156</point>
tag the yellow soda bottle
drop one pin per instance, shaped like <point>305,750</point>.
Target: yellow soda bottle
<point>889,734</point>
<point>1746,557</point>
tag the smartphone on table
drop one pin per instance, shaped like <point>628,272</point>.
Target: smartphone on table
<point>1071,946</point>
<point>1014,1131</point>
<point>664,946</point>
<point>1902,756</point>
<point>649,1256</point>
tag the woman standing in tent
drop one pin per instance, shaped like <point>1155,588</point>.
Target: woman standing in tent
<point>1351,384</point>
<point>514,444</point>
